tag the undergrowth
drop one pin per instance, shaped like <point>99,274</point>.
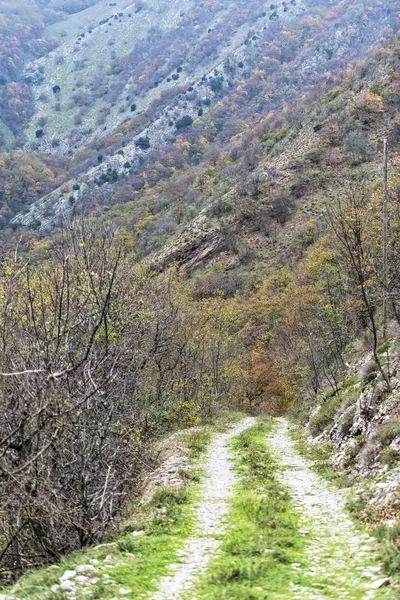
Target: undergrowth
<point>139,554</point>
<point>132,561</point>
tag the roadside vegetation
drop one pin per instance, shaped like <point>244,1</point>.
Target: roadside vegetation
<point>149,534</point>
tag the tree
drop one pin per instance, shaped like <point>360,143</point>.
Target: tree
<point>143,143</point>
<point>183,123</point>
<point>347,221</point>
<point>97,357</point>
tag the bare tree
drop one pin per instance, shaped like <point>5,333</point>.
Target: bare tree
<point>347,222</point>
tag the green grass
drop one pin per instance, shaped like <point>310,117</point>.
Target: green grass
<point>358,504</point>
<point>131,561</point>
<point>8,136</point>
<point>262,540</point>
<point>196,440</point>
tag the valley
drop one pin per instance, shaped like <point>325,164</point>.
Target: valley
<point>199,299</point>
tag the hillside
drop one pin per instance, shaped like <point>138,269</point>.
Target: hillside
<point>129,58</point>
<point>220,244</point>
<point>223,89</point>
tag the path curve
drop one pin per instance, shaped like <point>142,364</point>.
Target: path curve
<point>211,509</point>
<point>338,558</point>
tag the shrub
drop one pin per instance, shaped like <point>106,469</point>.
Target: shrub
<point>356,144</point>
<point>388,456</point>
<point>111,176</point>
<point>389,431</point>
<point>368,106</point>
<point>143,143</point>
<point>185,121</point>
<point>325,417</point>
<point>366,370</point>
<point>347,420</point>
<point>42,119</point>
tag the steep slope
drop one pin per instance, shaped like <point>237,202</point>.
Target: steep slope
<point>22,39</point>
<point>128,58</point>
<point>227,111</point>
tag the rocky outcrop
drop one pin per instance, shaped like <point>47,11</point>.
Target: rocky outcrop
<point>365,434</point>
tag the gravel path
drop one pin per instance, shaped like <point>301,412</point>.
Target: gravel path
<point>210,512</point>
<point>338,558</point>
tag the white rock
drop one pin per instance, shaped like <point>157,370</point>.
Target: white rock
<point>124,592</point>
<point>85,569</point>
<point>391,523</point>
<point>67,585</point>
<point>375,569</point>
<point>367,574</point>
<point>67,575</point>
<point>379,583</point>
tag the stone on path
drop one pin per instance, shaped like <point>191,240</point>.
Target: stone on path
<point>211,510</point>
<point>338,557</point>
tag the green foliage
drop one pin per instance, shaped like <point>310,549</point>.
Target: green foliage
<point>325,415</point>
<point>389,431</point>
<point>389,456</point>
<point>332,94</point>
<point>184,122</point>
<point>143,143</point>
<point>110,176</point>
<point>389,538</point>
<point>368,372</point>
<point>350,381</point>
